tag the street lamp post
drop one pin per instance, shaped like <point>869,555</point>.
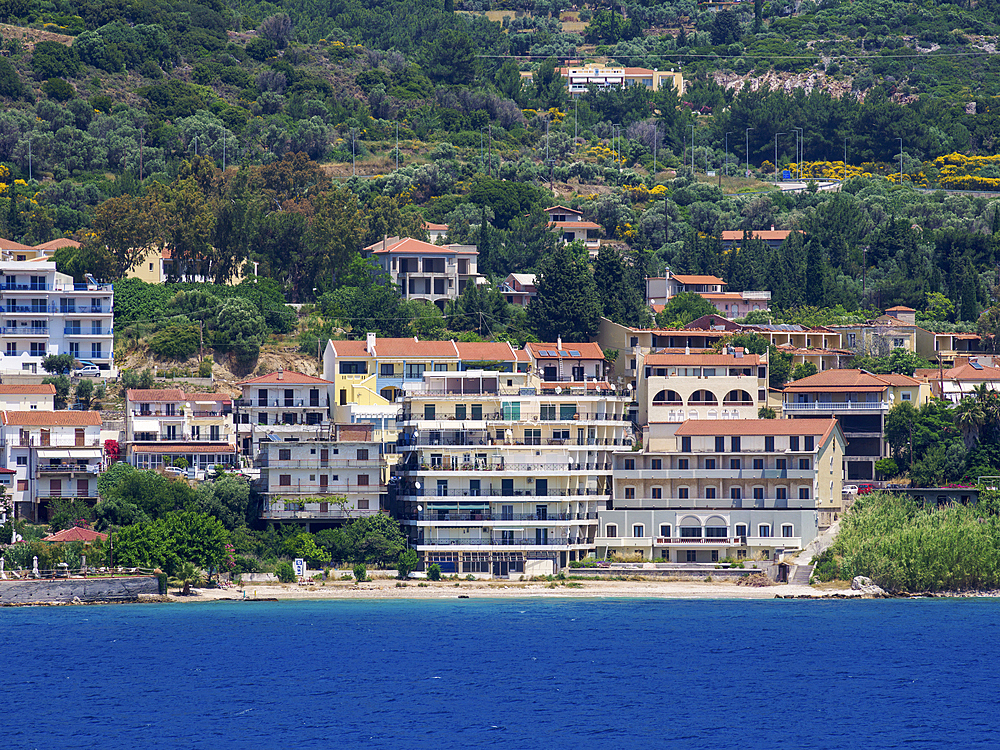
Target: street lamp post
<point>776,157</point>
<point>726,168</point>
<point>748,148</point>
<point>692,151</point>
<point>798,152</point>
<point>900,160</point>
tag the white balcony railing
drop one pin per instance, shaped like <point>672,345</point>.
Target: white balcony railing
<point>837,406</point>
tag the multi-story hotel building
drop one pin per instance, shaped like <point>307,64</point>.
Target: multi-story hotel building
<point>323,482</point>
<point>163,425</point>
<point>53,454</point>
<point>282,406</point>
<point>45,312</point>
<point>503,473</point>
<point>716,489</point>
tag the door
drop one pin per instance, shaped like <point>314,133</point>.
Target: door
<point>324,456</point>
<point>507,487</point>
<point>79,438</point>
<point>45,437</point>
<point>474,487</point>
<point>541,536</point>
<point>324,482</point>
<point>55,488</point>
<point>542,512</point>
<point>82,488</point>
<point>541,487</point>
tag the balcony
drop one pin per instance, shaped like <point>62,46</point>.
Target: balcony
<point>13,309</point>
<point>335,514</point>
<point>90,332</point>
<point>157,438</point>
<point>279,403</point>
<point>825,407</point>
<point>508,468</point>
<point>68,469</point>
<point>318,463</point>
<point>29,287</point>
<point>56,441</point>
<point>489,492</point>
<point>179,414</point>
<point>43,493</point>
<point>26,331</point>
<point>517,542</point>
<point>318,490</point>
<point>433,518</point>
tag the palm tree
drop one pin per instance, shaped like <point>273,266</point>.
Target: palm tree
<point>970,416</point>
<point>188,576</point>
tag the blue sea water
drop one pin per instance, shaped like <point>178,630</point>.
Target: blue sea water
<point>601,673</point>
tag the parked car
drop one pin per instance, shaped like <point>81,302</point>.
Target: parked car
<point>850,489</point>
<point>87,371</point>
<point>864,489</point>
<point>175,471</point>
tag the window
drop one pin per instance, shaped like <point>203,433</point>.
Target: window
<point>429,411</point>
<point>735,463</point>
<point>629,464</point>
<point>638,531</point>
<point>285,454</point>
<point>682,463</point>
<point>709,463</point>
<point>787,530</point>
<point>741,554</point>
<point>682,493</point>
<point>781,493</point>
<point>611,530</point>
<point>691,555</point>
<point>511,410</point>
<point>633,341</point>
<point>764,531</point>
<point>716,532</point>
<point>285,480</point>
<point>685,445</point>
<point>769,444</point>
<point>656,464</point>
<point>898,343</point>
<point>720,444</point>
<point>415,371</point>
<point>710,493</point>
<point>656,493</point>
<point>758,493</point>
<point>631,364</point>
<point>22,460</point>
<point>793,442</point>
<point>906,396</point>
<point>362,454</point>
<point>734,441</point>
<point>477,411</point>
<point>262,418</point>
<point>547,412</point>
<point>567,411</point>
<point>758,463</point>
<point>803,493</point>
<point>362,480</point>
<point>810,442</point>
<point>804,464</point>
<point>735,493</point>
<point>630,493</point>
<point>741,529</point>
<point>665,529</point>
<point>363,504</point>
<point>22,485</point>
<point>11,349</point>
<point>37,349</point>
<point>353,368</point>
<point>460,411</point>
<point>780,464</point>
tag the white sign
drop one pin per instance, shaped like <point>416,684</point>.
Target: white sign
<point>300,567</point>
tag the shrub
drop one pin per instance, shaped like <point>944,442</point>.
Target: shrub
<point>175,342</point>
<point>205,368</point>
<point>181,463</point>
<point>407,563</point>
<point>58,89</point>
<point>434,572</point>
<point>360,572</point>
<point>285,572</point>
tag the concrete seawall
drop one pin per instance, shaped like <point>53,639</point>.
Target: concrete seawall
<point>77,589</point>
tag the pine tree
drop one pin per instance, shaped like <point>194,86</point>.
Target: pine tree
<point>618,287</point>
<point>567,303</point>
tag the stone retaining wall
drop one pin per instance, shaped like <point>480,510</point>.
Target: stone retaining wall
<point>78,589</point>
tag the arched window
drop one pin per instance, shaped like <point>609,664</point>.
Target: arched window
<point>668,397</point>
<point>738,398</point>
<point>703,398</point>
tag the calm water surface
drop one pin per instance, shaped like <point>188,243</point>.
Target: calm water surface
<point>513,673</point>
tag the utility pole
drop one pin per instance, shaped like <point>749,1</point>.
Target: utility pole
<point>748,148</point>
<point>142,141</point>
<point>726,168</point>
<point>798,153</point>
<point>900,160</point>
<point>223,150</point>
<point>692,150</point>
<point>655,133</point>
<point>354,170</point>
<point>776,157</point>
<point>397,144</point>
<point>29,159</point>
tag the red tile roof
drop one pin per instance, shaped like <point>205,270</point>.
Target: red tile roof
<point>699,279</point>
<point>52,418</point>
<point>564,208</point>
<point>11,245</point>
<point>499,351</point>
<point>76,534</point>
<point>756,427</point>
<point>56,244</point>
<point>155,394</point>
<point>735,235</point>
<point>966,371</point>
<point>288,377</point>
<point>175,448</point>
<point>587,350</point>
<point>574,224</point>
<point>705,360</point>
<point>840,381</point>
<point>410,245</point>
<point>28,390</point>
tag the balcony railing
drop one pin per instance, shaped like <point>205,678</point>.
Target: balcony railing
<point>516,542</point>
<point>501,517</point>
<point>551,492</point>
<point>69,469</point>
<point>318,463</point>
<point>158,413</point>
<point>55,441</point>
<point>26,331</point>
<point>833,406</point>
<point>333,514</point>
<point>510,467</point>
<point>579,416</point>
<point>312,488</point>
<point>48,492</point>
<point>74,331</point>
<point>224,438</point>
<point>474,442</point>
<point>279,403</point>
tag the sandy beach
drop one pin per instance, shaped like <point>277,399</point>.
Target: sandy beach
<point>387,589</point>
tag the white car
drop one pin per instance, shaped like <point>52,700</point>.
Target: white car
<point>850,489</point>
<point>175,471</point>
<point>89,371</point>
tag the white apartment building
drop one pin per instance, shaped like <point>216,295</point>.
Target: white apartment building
<point>322,483</point>
<point>503,474</point>
<point>433,273</point>
<point>45,312</point>
<point>753,488</point>
<point>53,454</point>
<point>163,425</point>
<point>282,406</point>
<point>15,397</point>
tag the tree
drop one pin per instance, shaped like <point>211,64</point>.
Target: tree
<point>278,29</point>
<point>725,28</point>
<point>766,412</point>
<point>988,328</point>
<point>54,60</point>
<point>451,59</point>
<point>684,308</point>
<point>618,289</point>
<point>803,370</point>
<point>62,385</point>
<point>549,86</point>
<point>886,467</point>
<point>241,330</point>
<point>128,228</point>
<point>85,392</point>
<point>567,304</point>
<point>970,416</point>
<point>407,563</point>
<point>59,364</point>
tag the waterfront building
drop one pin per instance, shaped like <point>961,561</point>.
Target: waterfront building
<point>282,406</point>
<point>53,454</point>
<point>715,489</point>
<point>45,312</point>
<point>164,425</point>
<point>503,473</point>
<point>325,481</point>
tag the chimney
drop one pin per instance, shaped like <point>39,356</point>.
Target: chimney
<point>559,342</point>
<point>385,242</point>
<point>370,343</point>
<point>687,349</point>
<point>772,227</point>
<point>281,373</point>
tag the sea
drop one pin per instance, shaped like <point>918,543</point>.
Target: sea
<point>608,674</point>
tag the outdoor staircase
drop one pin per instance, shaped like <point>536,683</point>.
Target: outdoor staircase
<point>801,575</point>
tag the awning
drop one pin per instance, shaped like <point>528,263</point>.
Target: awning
<point>145,425</point>
<point>70,451</point>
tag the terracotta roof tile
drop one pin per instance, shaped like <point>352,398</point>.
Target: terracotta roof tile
<point>53,418</point>
<point>155,394</point>
<point>587,350</point>
<point>691,360</point>
<point>56,244</point>
<point>174,448</point>
<point>28,390</point>
<point>499,351</point>
<point>836,380</point>
<point>734,235</point>
<point>288,377</point>
<point>696,279</point>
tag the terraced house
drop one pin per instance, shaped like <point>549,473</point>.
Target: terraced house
<point>164,425</point>
<point>282,406</point>
<point>504,473</point>
<point>742,489</point>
